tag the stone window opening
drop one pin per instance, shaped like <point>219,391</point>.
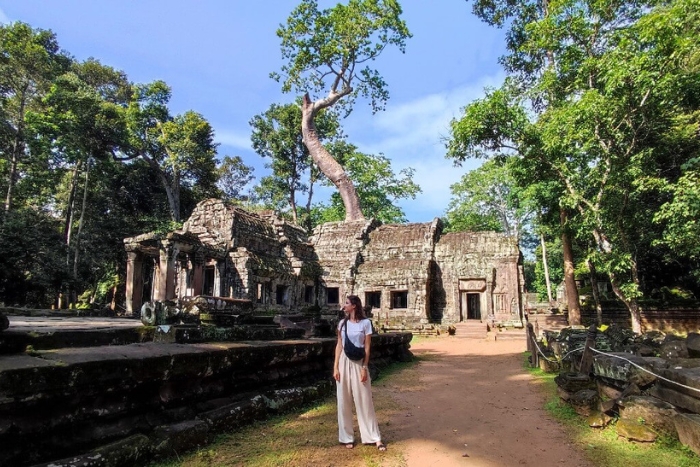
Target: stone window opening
<point>309,294</point>
<point>399,299</point>
<point>332,295</point>
<point>259,292</point>
<point>373,299</point>
<point>281,295</point>
<point>209,276</point>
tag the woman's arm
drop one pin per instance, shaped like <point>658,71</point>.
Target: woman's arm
<point>338,350</point>
<point>365,362</point>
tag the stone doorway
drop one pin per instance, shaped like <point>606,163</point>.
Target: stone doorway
<point>470,306</point>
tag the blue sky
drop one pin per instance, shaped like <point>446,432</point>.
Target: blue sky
<point>217,56</point>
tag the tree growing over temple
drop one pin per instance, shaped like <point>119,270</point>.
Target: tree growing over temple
<point>328,54</point>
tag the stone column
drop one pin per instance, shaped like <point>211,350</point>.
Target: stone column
<point>489,298</point>
<point>165,285</point>
<point>198,276</point>
<point>134,282</point>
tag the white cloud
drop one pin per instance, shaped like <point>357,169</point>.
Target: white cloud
<point>412,134</point>
<point>4,19</point>
<point>232,138</point>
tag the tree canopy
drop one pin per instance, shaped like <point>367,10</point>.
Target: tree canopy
<point>328,55</point>
<point>601,102</point>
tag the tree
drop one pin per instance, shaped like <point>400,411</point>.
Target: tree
<point>76,129</point>
<point>378,187</point>
<point>605,87</point>
<point>234,175</point>
<point>329,51</point>
<point>487,198</point>
<point>277,136</point>
<point>180,149</point>
<point>29,60</point>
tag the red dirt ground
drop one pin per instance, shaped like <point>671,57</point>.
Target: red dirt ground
<point>470,403</point>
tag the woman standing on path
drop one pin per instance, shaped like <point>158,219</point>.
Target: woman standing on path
<point>352,377</point>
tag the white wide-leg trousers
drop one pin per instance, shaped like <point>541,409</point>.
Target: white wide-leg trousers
<point>349,390</point>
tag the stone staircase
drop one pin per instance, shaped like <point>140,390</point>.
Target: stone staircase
<point>471,329</point>
<point>474,329</point>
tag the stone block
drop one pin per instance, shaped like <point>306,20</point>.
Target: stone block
<point>608,407</point>
<point>169,440</point>
<point>673,349</point>
<point>655,412</point>
<point>236,415</point>
<point>574,382</point>
<point>635,431</point>
<point>134,450</point>
<point>688,428</point>
<point>688,380</point>
<point>584,402</point>
<point>599,420</point>
<point>676,398</point>
<point>606,391</point>
<point>693,344</point>
<point>624,367</point>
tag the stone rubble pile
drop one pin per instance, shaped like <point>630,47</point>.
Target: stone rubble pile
<point>648,385</point>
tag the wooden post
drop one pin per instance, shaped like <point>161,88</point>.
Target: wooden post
<point>532,346</point>
<point>587,358</point>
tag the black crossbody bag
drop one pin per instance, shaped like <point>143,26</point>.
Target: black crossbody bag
<point>351,350</point>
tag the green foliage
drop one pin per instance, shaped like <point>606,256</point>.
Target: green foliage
<point>488,198</point>
<point>277,136</point>
<point>378,187</point>
<point>329,50</point>
<point>601,110</point>
<point>67,126</point>
<point>234,175</point>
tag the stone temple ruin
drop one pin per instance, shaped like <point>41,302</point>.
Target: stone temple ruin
<point>411,276</point>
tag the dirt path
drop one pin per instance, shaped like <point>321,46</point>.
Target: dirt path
<point>469,403</point>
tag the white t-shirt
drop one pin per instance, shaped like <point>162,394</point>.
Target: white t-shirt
<point>356,331</point>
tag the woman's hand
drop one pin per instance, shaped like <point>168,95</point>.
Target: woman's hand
<point>363,374</point>
<point>336,374</point>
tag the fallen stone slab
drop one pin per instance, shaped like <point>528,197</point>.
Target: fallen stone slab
<point>688,429</point>
<point>676,398</point>
<point>625,367</point>
<point>635,431</point>
<point>655,412</point>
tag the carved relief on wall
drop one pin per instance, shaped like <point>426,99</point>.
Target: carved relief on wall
<point>476,285</point>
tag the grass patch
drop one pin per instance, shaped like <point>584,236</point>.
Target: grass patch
<point>603,447</point>
<point>306,437</point>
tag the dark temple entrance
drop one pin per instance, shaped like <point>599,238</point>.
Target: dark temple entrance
<point>473,305</point>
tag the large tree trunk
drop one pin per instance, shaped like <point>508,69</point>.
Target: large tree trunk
<point>76,255</point>
<point>594,291</point>
<point>17,150</point>
<point>631,303</point>
<point>172,190</point>
<point>325,162</point>
<point>572,301</point>
<point>545,265</point>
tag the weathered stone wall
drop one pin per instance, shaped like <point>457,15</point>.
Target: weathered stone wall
<point>337,246</point>
<point>64,402</point>
<point>411,274</point>
<point>397,260</point>
<point>483,263</point>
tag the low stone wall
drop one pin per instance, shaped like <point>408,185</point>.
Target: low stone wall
<point>123,405</point>
<point>678,320</point>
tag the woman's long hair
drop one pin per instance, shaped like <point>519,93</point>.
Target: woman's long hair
<point>357,303</point>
